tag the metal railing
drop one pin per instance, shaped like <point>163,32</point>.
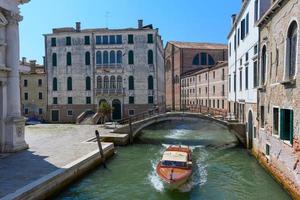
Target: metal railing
<point>214,112</point>
<point>140,116</point>
<point>109,91</point>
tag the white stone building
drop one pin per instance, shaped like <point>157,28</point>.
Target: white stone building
<point>243,65</point>
<point>11,122</point>
<point>123,67</point>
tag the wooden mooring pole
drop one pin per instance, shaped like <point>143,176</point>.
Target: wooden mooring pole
<point>100,148</point>
<point>130,131</point>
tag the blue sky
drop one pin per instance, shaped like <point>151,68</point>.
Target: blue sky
<point>181,20</point>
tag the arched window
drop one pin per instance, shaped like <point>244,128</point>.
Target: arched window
<point>54,59</point>
<point>99,82</point>
<point>263,64</point>
<point>131,83</point>
<point>69,84</point>
<point>150,82</point>
<point>98,58</point>
<point>69,58</point>
<point>119,57</point>
<point>106,82</point>
<point>291,50</point>
<point>87,58</point>
<point>119,82</point>
<point>203,58</point>
<point>112,82</point>
<point>88,83</point>
<point>150,57</point>
<point>54,84</point>
<point>196,60</point>
<point>112,56</point>
<point>211,60</point>
<point>130,57</point>
<point>105,57</point>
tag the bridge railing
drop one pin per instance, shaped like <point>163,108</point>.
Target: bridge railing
<point>140,116</point>
<point>217,113</point>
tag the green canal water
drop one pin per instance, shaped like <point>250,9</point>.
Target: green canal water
<point>221,168</point>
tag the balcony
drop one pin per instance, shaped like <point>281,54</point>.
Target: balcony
<point>109,91</point>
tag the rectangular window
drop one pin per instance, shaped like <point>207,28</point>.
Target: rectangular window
<point>40,111</point>
<point>223,104</point>
<point>105,39</point>
<point>247,57</point>
<point>246,78</point>
<point>87,40</point>
<point>234,82</point>
<point>55,100</point>
<point>68,41</point>
<point>243,31</point>
<point>229,82</point>
<point>255,74</point>
<point>150,38</point>
<point>255,50</point>
<point>40,82</point>
<point>150,100</point>
<point>130,112</point>
<point>229,49</point>
<point>40,95</point>
<point>130,39</point>
<point>267,150</point>
<point>53,42</point>
<point>70,100</point>
<point>131,100</point>
<point>241,80</point>
<point>70,112</point>
<point>214,89</point>
<point>26,96</point>
<point>256,10</point>
<point>262,116</point>
<point>286,125</point>
<point>112,39</point>
<point>214,74</point>
<point>223,90</point>
<point>88,100</point>
<point>25,83</point>
<point>205,90</point>
<point>238,37</point>
<point>275,121</point>
<point>26,111</point>
<point>98,39</point>
<point>119,39</point>
<point>247,24</point>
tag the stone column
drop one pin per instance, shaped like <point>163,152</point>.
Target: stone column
<point>15,124</point>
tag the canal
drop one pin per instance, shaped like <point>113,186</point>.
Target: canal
<point>221,168</point>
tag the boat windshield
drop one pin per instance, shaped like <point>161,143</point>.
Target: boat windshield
<point>168,163</point>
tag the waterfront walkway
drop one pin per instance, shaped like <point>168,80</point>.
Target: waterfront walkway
<point>51,148</point>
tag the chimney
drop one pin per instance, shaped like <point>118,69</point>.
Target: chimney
<point>44,61</point>
<point>23,60</point>
<point>140,23</point>
<point>78,26</point>
<point>32,65</point>
<point>233,18</point>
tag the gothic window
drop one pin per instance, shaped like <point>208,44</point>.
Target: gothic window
<point>106,82</point>
<point>87,58</point>
<point>130,57</point>
<point>112,82</point>
<point>112,56</point>
<point>105,57</point>
<point>196,60</point>
<point>119,82</point>
<point>119,57</point>
<point>99,82</point>
<point>98,58</point>
<point>263,65</point>
<point>291,50</point>
<point>88,83</point>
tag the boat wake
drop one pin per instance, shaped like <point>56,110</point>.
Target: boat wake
<point>198,178</point>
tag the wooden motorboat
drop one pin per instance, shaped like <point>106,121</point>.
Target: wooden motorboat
<point>175,167</point>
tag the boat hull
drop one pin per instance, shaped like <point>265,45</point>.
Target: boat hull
<point>175,184</point>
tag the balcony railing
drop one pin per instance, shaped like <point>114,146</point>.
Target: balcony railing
<point>109,91</point>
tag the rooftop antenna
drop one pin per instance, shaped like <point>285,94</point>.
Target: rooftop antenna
<point>107,16</point>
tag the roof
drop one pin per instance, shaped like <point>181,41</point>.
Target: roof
<point>175,156</point>
<point>198,45</point>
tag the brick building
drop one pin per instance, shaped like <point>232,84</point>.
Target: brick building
<point>123,67</point>
<point>206,88</point>
<point>33,85</point>
<point>181,57</point>
<point>277,144</point>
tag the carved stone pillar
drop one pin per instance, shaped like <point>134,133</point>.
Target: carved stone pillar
<point>14,122</point>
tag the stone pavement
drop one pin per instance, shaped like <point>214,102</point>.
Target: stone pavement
<point>51,147</point>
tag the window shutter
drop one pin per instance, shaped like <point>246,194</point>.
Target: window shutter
<point>282,124</point>
<point>291,127</point>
